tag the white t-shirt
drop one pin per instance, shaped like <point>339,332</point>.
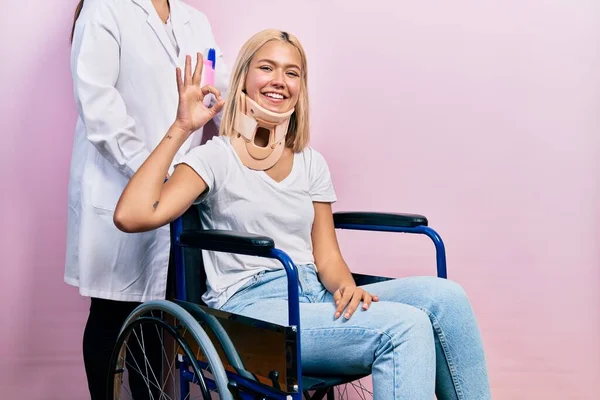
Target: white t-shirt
<point>244,200</point>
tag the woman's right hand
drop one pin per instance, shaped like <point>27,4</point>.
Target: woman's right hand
<point>192,114</point>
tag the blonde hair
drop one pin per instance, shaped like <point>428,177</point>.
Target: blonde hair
<point>298,131</point>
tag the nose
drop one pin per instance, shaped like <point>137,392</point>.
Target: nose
<point>278,79</point>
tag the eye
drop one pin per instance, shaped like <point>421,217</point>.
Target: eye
<point>265,68</point>
<point>293,73</point>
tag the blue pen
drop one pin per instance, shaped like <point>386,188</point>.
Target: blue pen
<point>212,56</point>
<point>208,72</point>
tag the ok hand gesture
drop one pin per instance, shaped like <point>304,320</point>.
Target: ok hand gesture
<point>192,114</point>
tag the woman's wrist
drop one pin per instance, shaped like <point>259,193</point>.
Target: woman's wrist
<point>346,284</point>
<point>177,131</point>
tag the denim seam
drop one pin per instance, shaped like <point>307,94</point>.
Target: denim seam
<point>382,333</point>
<point>252,282</point>
<point>302,285</point>
<point>449,361</point>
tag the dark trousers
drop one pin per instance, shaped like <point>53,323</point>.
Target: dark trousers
<point>99,339</point>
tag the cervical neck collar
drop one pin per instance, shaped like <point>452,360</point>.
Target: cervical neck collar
<point>254,122</point>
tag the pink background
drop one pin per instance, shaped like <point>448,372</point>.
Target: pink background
<point>484,117</point>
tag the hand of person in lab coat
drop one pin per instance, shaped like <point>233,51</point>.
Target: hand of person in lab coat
<point>192,114</point>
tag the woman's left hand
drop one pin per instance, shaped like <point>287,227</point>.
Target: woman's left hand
<point>349,297</point>
<point>192,114</point>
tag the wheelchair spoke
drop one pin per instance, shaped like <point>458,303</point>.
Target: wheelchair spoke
<point>170,364</point>
<point>145,372</point>
<point>146,363</point>
<point>342,393</point>
<point>144,377</point>
<point>361,393</point>
<point>358,387</point>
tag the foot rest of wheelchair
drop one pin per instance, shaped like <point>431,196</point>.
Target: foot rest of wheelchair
<point>323,382</point>
<point>227,241</point>
<point>379,219</point>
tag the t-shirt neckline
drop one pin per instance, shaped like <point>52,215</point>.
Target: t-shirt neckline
<point>287,179</point>
<point>264,176</point>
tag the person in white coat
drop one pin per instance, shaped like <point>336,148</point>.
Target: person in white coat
<point>123,56</point>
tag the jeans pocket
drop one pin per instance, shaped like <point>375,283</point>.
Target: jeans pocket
<point>254,281</point>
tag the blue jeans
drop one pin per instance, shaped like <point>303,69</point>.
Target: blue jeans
<point>420,339</point>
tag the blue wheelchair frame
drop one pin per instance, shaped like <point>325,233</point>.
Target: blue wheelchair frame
<point>262,246</point>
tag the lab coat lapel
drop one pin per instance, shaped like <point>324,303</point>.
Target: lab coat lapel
<point>180,16</point>
<point>158,27</point>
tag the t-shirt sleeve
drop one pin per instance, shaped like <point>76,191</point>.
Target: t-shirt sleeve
<point>211,162</point>
<point>321,186</point>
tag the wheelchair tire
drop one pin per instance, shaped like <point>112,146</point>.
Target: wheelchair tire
<point>151,365</point>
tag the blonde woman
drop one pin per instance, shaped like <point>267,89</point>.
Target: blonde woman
<point>417,336</point>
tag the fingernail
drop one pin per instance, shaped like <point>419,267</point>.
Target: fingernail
<point>337,315</point>
<point>337,302</point>
<point>347,316</point>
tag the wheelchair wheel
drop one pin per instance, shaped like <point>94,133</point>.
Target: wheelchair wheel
<point>157,357</point>
<point>353,390</point>
<point>358,389</point>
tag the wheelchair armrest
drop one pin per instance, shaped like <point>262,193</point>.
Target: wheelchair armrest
<point>227,241</point>
<point>379,219</point>
<point>387,222</point>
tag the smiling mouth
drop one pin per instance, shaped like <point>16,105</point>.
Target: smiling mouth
<point>274,96</point>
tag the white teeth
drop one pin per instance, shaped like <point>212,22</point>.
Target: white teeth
<point>274,95</point>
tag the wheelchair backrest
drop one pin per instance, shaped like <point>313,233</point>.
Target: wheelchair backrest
<point>193,266</point>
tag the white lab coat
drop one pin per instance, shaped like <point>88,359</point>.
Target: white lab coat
<point>123,67</point>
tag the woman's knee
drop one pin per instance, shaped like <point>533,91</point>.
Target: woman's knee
<point>437,296</point>
<point>449,290</point>
<point>440,290</point>
<point>408,323</point>
<point>446,298</point>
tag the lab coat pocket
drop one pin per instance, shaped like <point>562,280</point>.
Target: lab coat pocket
<point>107,184</point>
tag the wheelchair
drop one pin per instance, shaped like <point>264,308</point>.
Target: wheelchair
<point>181,349</point>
